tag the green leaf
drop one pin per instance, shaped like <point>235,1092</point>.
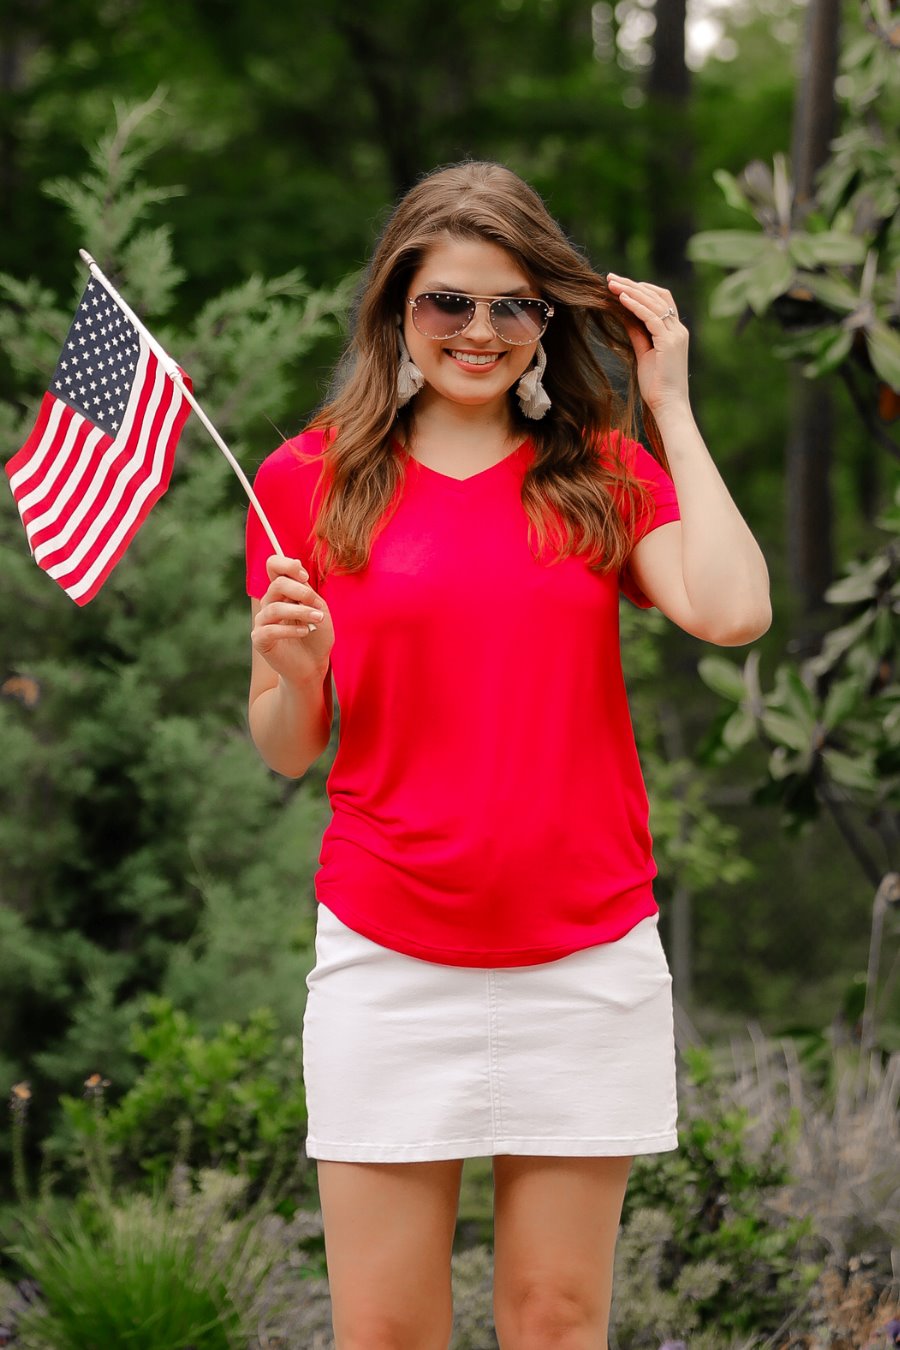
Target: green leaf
<point>830,247</point>
<point>851,772</point>
<point>768,279</point>
<point>832,290</point>
<point>862,584</point>
<point>884,351</point>
<point>739,730</point>
<point>834,350</point>
<point>842,699</point>
<point>728,248</point>
<point>723,676</point>
<point>731,191</point>
<point>787,730</point>
<point>794,696</point>
<point>730,296</point>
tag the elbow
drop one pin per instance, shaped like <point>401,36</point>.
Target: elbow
<point>742,629</point>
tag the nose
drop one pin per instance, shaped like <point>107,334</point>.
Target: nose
<point>481,327</point>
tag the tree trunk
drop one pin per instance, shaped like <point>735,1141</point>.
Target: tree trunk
<point>810,550</point>
<point>670,159</point>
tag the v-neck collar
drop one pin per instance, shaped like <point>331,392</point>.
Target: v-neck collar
<point>507,460</point>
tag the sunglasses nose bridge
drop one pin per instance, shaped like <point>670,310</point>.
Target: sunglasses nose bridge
<point>487,325</point>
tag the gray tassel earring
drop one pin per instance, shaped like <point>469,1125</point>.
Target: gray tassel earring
<point>409,377</point>
<point>533,397</point>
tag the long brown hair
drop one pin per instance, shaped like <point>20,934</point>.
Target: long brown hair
<point>567,490</point>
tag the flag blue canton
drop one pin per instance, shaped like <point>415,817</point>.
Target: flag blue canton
<point>99,359</point>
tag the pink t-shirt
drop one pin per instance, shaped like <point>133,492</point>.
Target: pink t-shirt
<point>488,803</point>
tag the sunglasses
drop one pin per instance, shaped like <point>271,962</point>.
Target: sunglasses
<point>517,320</point>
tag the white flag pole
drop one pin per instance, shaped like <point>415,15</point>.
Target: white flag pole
<point>171,369</point>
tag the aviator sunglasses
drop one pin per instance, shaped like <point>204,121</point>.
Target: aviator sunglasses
<point>517,320</point>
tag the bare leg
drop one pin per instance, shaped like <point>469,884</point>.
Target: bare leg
<point>388,1242</point>
<point>555,1226</point>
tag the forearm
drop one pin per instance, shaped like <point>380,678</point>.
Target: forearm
<point>291,724</point>
<point>725,575</point>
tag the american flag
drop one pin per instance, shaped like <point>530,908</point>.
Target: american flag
<point>101,451</point>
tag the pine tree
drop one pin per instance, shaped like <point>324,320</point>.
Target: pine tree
<point>143,845</point>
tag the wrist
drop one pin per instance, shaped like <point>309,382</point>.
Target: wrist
<point>673,415</point>
<point>302,686</point>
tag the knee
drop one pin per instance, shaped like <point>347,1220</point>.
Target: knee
<point>547,1317</point>
<point>379,1330</point>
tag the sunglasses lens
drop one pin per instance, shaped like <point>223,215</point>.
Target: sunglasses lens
<point>439,314</point>
<point>519,321</point>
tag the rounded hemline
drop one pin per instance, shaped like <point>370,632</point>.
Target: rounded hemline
<point>518,1145</point>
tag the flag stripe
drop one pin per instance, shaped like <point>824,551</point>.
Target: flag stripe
<point>113,459</point>
<point>122,462</point>
<point>144,499</point>
<point>113,529</point>
<point>28,460</point>
<point>79,444</point>
<point>102,448</point>
<point>61,432</point>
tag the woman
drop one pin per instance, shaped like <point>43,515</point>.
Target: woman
<point>489,978</point>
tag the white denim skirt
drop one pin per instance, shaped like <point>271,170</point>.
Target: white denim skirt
<point>406,1060</point>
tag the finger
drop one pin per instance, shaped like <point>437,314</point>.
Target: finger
<point>286,588</point>
<point>642,310</point>
<point>279,565</point>
<point>268,636</point>
<point>289,613</point>
<point>657,297</point>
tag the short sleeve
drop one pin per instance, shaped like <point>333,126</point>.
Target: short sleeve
<point>664,508</point>
<point>285,484</point>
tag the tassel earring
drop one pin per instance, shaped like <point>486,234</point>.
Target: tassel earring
<point>533,397</point>
<point>409,377</point>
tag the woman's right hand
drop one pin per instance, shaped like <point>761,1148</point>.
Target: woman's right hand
<point>282,627</point>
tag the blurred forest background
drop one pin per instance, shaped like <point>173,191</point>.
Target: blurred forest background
<point>230,166</point>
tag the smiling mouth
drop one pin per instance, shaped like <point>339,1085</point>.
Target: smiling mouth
<point>476,358</point>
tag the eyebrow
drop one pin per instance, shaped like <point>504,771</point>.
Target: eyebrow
<point>442,286</point>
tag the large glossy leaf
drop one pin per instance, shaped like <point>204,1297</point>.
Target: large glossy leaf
<point>834,350</point>
<point>768,279</point>
<point>842,698</point>
<point>851,771</point>
<point>794,696</point>
<point>731,191</point>
<point>729,298</point>
<point>831,289</point>
<point>830,247</point>
<point>723,676</point>
<point>728,248</point>
<point>884,351</point>
<point>787,730</point>
<point>739,730</point>
<point>862,584</point>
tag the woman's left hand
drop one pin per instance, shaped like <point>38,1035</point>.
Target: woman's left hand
<point>659,339</point>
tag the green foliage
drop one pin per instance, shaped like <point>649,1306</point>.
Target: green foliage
<point>691,841</point>
<point>233,1100</point>
<point>826,269</point>
<point>188,1265</point>
<point>702,1250</point>
<point>140,833</point>
<point>832,723</point>
<point>135,1282</point>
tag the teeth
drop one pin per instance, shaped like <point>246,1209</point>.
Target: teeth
<point>486,359</point>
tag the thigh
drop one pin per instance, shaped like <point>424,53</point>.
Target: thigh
<point>556,1220</point>
<point>388,1242</point>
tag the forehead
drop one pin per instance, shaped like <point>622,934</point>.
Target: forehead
<point>475,265</point>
